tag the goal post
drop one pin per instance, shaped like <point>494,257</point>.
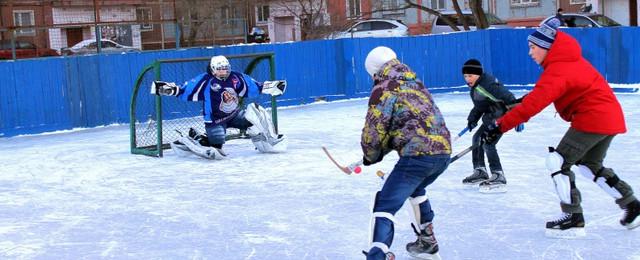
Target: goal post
<point>156,120</point>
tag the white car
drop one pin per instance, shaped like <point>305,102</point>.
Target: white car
<point>585,20</point>
<point>440,26</point>
<point>91,46</point>
<point>373,28</point>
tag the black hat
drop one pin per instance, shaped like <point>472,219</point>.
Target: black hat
<point>472,66</point>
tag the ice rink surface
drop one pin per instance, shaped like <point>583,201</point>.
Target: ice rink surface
<point>82,195</point>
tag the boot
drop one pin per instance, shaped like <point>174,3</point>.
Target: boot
<point>479,175</point>
<point>630,219</point>
<point>495,184</point>
<point>568,225</point>
<point>426,246</point>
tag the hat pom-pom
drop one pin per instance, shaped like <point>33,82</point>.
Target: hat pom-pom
<point>553,23</point>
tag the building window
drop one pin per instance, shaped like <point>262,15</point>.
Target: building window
<point>263,13</point>
<point>577,2</point>
<point>228,14</point>
<point>353,8</point>
<point>143,14</point>
<point>438,5</point>
<point>24,18</point>
<point>525,2</point>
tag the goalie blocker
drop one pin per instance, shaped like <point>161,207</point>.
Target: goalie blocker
<point>274,88</point>
<point>164,88</point>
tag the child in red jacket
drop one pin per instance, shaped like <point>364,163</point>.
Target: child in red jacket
<point>583,97</point>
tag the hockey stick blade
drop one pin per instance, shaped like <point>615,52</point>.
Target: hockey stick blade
<point>344,169</point>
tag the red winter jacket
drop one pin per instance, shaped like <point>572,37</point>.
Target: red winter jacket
<point>580,94</point>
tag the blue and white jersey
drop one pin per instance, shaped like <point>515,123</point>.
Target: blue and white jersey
<point>221,98</point>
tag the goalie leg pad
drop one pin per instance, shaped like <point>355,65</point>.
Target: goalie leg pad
<point>261,121</point>
<point>205,152</point>
<point>264,145</point>
<point>262,132</point>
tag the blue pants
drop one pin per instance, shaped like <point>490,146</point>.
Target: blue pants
<point>216,133</point>
<point>409,178</point>
<point>492,153</point>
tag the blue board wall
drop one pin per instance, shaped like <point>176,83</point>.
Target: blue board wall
<point>60,93</point>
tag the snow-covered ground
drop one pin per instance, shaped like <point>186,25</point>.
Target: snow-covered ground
<point>82,195</point>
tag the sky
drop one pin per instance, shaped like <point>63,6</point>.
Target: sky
<point>82,195</point>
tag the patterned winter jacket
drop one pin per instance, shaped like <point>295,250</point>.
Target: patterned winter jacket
<point>403,117</point>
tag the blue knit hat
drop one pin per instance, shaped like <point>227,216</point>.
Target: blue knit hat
<point>544,35</point>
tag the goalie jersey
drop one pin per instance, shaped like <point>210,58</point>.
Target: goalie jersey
<point>221,97</point>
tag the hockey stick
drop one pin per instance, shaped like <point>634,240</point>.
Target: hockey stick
<point>464,131</point>
<point>463,153</point>
<point>346,169</point>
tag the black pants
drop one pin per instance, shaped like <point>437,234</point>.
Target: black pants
<point>490,149</point>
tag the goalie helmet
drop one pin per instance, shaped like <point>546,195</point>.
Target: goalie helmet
<point>378,57</point>
<point>220,67</point>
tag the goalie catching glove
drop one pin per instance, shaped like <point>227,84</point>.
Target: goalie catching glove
<point>162,88</point>
<point>274,88</point>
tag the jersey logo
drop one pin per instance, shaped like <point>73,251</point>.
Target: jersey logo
<point>229,101</point>
<point>215,87</point>
<point>234,81</point>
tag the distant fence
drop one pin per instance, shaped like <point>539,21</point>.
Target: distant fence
<point>86,91</point>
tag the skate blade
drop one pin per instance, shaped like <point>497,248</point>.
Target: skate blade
<point>500,188</point>
<point>426,256</point>
<point>471,185</point>
<point>571,233</point>
<point>633,224</point>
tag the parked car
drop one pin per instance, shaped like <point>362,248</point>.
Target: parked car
<point>257,35</point>
<point>585,20</point>
<point>440,26</point>
<point>373,28</point>
<point>91,46</point>
<point>24,50</point>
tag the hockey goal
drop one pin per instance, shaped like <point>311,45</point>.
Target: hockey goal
<point>156,120</point>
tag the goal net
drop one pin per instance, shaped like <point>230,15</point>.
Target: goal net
<point>156,120</point>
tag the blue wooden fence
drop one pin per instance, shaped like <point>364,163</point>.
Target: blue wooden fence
<point>68,92</point>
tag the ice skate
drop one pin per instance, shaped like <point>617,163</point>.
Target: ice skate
<point>426,246</point>
<point>388,256</point>
<point>630,219</point>
<point>496,184</point>
<point>479,175</point>
<point>569,225</point>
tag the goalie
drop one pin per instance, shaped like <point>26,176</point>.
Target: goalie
<point>221,89</point>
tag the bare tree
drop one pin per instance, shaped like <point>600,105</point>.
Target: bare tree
<point>201,21</point>
<point>312,15</point>
<point>456,7</point>
<point>411,4</point>
<point>478,14</point>
<point>476,9</point>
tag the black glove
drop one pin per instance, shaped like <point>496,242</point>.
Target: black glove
<point>519,100</point>
<point>491,134</point>
<point>366,162</point>
<point>471,125</point>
